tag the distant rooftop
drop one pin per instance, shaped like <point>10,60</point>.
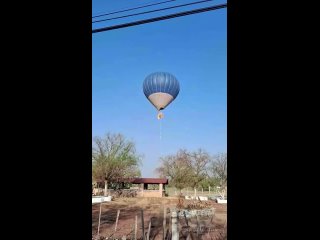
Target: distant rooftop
<point>144,180</point>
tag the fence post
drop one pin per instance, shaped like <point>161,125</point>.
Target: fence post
<point>118,213</point>
<point>99,219</point>
<point>164,222</point>
<point>174,227</point>
<point>142,222</point>
<point>149,229</point>
<point>135,228</point>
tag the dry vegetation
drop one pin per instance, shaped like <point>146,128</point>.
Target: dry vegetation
<point>213,227</point>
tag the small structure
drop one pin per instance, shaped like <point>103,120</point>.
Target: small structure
<point>158,189</point>
<point>146,187</point>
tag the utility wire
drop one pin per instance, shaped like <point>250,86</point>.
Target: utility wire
<point>126,10</point>
<point>157,10</point>
<point>180,14</point>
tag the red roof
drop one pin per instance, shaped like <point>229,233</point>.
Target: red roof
<point>149,180</point>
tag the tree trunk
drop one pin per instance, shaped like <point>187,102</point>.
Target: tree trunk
<point>105,188</point>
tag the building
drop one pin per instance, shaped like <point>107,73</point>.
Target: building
<point>146,187</point>
<point>150,187</point>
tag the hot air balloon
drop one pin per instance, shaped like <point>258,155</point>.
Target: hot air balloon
<point>161,89</point>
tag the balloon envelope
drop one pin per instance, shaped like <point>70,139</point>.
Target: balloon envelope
<point>161,89</point>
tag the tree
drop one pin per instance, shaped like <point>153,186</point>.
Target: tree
<point>176,168</point>
<point>219,170</point>
<point>114,158</point>
<point>185,169</point>
<point>199,161</point>
<point>209,182</point>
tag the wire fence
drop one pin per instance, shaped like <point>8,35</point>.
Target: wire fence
<point>172,192</point>
<point>155,222</point>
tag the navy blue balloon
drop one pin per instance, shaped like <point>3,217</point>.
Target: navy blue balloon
<point>161,82</point>
<point>161,89</point>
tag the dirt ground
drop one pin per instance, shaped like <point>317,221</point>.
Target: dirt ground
<point>209,227</point>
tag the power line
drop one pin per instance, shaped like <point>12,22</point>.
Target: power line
<point>130,24</point>
<point>161,9</point>
<point>125,10</point>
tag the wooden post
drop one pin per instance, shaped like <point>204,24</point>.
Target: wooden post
<point>174,226</point>
<point>185,217</point>
<point>209,189</point>
<point>202,190</point>
<point>149,229</point>
<point>118,213</point>
<point>189,236</point>
<point>132,233</point>
<point>99,219</point>
<point>136,228</point>
<point>164,222</point>
<point>142,223</point>
<point>197,226</point>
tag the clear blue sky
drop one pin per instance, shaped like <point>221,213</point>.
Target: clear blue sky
<point>193,49</point>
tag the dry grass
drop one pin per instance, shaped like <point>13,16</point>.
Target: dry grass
<point>153,211</point>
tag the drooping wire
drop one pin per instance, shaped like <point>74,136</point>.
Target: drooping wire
<point>151,11</point>
<point>126,10</point>
<point>180,14</point>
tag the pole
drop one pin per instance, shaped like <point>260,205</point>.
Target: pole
<point>118,213</point>
<point>142,222</point>
<point>135,228</point>
<point>164,222</point>
<point>174,227</point>
<point>149,229</point>
<point>99,218</point>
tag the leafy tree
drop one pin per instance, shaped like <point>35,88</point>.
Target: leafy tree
<point>185,169</point>
<point>218,169</point>
<point>177,169</point>
<point>198,166</point>
<point>114,158</point>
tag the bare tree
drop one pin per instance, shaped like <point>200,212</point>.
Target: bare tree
<point>114,158</point>
<point>219,170</point>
